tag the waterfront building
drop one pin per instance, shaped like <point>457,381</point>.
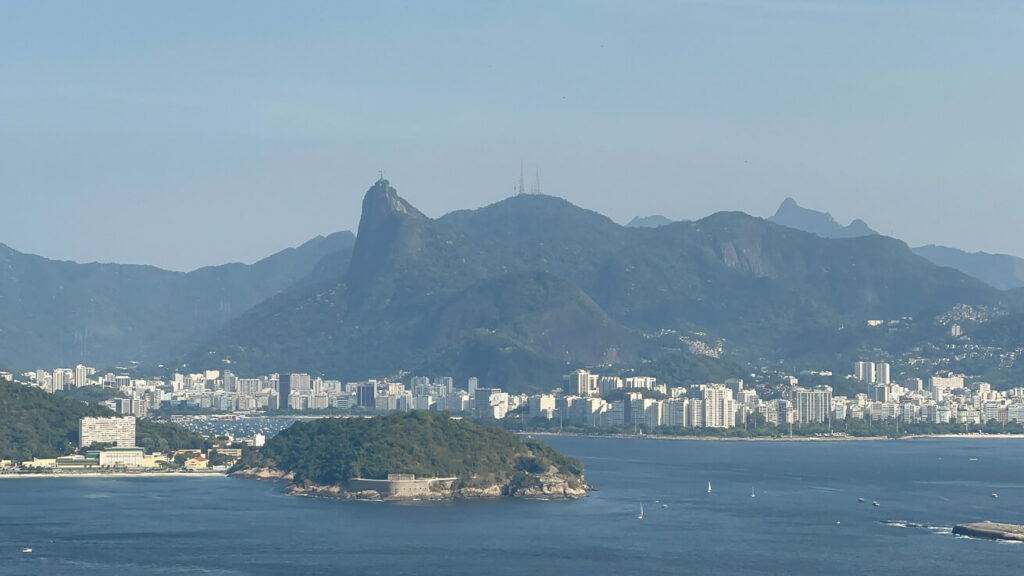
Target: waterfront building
<point>118,431</point>
<point>813,405</point>
<point>719,407</point>
<point>616,414</point>
<point>1015,413</point>
<point>695,413</point>
<point>676,413</point>
<point>129,457</point>
<point>647,412</point>
<point>785,412</point>
<point>590,411</point>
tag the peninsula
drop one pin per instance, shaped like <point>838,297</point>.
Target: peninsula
<point>415,455</point>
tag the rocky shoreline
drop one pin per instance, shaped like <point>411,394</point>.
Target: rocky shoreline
<point>991,530</point>
<point>544,486</point>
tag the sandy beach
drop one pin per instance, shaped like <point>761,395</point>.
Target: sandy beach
<point>110,475</point>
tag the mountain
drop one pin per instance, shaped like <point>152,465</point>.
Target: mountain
<point>1000,270</point>
<point>59,313</point>
<point>532,285</point>
<point>648,222</point>
<point>821,223</point>
<point>417,295</point>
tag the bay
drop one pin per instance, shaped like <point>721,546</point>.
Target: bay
<point>805,517</point>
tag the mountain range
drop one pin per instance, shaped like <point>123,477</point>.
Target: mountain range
<point>1002,271</point>
<point>517,293</point>
<point>521,291</point>
<point>59,313</point>
<point>999,270</point>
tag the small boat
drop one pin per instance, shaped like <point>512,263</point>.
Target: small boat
<point>875,503</point>
<point>664,505</point>
<point>752,493</point>
<point>860,499</point>
<point>994,495</point>
<point>709,487</point>
<point>640,516</point>
<point>26,550</point>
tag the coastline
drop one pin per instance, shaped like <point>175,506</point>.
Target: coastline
<point>112,475</point>
<point>781,438</point>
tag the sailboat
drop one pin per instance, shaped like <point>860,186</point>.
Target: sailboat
<point>752,493</point>
<point>709,486</point>
<point>640,516</point>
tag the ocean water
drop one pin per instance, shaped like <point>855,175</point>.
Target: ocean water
<point>805,518</point>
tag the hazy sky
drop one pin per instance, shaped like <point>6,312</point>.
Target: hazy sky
<point>183,135</point>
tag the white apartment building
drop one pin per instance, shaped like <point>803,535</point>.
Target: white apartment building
<point>119,431</point>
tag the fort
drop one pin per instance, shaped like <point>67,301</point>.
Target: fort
<point>403,486</point>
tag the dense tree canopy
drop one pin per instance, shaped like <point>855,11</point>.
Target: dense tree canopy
<point>332,450</point>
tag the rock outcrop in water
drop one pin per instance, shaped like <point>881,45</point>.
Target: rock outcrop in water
<point>991,530</point>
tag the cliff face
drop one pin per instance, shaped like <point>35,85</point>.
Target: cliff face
<point>264,474</point>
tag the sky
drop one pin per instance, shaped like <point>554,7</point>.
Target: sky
<point>188,134</point>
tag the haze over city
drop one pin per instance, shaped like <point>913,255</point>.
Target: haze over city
<point>190,137</point>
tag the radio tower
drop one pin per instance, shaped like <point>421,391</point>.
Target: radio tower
<point>522,186</point>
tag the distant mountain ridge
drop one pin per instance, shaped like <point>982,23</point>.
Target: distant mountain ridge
<point>999,270</point>
<point>1003,271</point>
<point>533,285</point>
<point>821,223</point>
<point>653,221</point>
<point>59,313</point>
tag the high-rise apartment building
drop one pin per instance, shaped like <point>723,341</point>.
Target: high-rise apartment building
<point>719,407</point>
<point>118,431</point>
<point>813,405</point>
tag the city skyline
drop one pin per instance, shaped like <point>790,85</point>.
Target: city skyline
<point>149,136</point>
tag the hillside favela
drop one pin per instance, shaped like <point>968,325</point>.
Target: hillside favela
<point>725,288</point>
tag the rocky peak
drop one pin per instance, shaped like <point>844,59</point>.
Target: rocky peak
<point>383,202</point>
<point>389,226</point>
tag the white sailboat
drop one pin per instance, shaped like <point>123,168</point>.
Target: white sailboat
<point>709,486</point>
<point>640,516</point>
<point>752,493</point>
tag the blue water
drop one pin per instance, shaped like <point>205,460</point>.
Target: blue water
<point>805,518</point>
